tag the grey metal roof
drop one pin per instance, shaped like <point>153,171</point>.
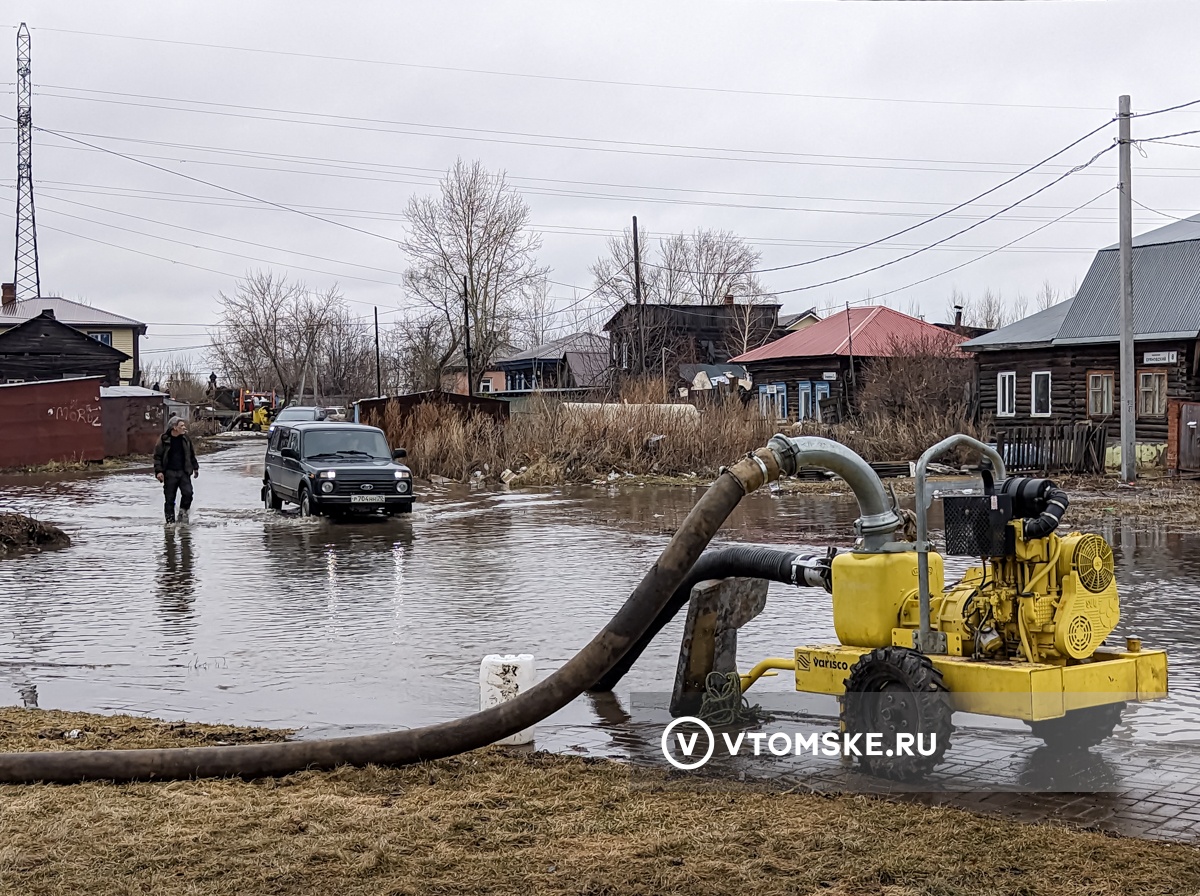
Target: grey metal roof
<point>73,314</point>
<point>1166,294</point>
<point>1175,232</point>
<point>558,349</point>
<point>1029,332</point>
<point>735,371</point>
<point>129,392</point>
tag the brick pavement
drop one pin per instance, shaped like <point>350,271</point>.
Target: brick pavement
<point>1148,790</point>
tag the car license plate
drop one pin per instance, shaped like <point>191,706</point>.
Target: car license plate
<point>366,499</point>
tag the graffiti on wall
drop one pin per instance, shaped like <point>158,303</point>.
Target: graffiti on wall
<point>76,412</point>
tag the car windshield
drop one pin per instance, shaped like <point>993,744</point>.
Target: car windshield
<point>297,414</point>
<point>346,443</point>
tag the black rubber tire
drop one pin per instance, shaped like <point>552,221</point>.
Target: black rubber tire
<point>894,690</point>
<point>271,501</point>
<point>1079,729</point>
<point>306,502</point>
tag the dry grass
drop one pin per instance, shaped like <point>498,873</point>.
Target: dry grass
<point>492,822</point>
<point>552,443</point>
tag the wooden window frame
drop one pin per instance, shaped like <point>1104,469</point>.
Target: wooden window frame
<point>1000,377</point>
<point>1033,411</point>
<point>1112,393</point>
<point>1153,371</point>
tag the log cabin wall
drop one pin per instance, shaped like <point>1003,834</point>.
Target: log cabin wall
<point>1069,366</point>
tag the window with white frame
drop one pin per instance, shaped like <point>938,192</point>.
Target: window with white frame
<point>1152,393</point>
<point>1100,393</point>
<point>1039,399</point>
<point>624,355</point>
<point>1006,394</point>
<point>485,385</point>
<point>102,336</point>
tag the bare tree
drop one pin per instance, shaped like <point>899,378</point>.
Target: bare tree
<point>476,227</point>
<point>750,325</point>
<point>418,350</point>
<point>534,317</point>
<point>987,311</point>
<point>270,330</point>
<point>1047,296</point>
<point>344,361</point>
<point>1020,306</point>
<point>176,378</point>
<point>701,268</point>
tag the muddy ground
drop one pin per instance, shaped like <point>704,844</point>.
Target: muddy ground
<point>505,822</point>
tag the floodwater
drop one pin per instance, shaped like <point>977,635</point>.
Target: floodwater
<point>252,617</point>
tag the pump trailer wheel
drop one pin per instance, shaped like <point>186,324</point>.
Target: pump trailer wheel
<point>895,691</point>
<point>1079,729</point>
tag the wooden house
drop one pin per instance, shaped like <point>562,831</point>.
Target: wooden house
<point>1062,365</point>
<point>42,348</point>
<point>820,364</point>
<point>113,330</point>
<point>573,363</point>
<point>687,334</point>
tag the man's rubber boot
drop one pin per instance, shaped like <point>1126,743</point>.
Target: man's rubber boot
<point>183,517</point>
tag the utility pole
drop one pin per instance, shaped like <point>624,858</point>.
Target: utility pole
<point>27,280</point>
<point>1125,291</point>
<point>853,383</point>
<point>637,294</point>
<point>467,338</point>
<point>378,377</point>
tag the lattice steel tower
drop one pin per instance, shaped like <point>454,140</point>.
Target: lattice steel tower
<point>26,278</point>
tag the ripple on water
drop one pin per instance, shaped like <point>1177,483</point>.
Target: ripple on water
<point>252,616</point>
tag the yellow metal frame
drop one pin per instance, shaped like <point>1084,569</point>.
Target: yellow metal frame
<point>1015,690</point>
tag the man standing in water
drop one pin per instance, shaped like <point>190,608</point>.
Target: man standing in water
<point>175,466</point>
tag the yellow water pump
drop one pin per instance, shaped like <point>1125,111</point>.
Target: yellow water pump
<point>1021,635</point>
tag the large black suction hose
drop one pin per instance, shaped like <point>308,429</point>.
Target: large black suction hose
<point>877,523</point>
<point>579,673</point>
<point>789,567</point>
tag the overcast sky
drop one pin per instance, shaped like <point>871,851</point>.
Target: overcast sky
<point>806,127</point>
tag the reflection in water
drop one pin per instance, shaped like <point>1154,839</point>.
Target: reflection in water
<point>176,579</point>
<point>1084,771</point>
<point>280,620</point>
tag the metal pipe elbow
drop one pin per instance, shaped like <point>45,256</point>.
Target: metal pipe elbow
<point>878,515</point>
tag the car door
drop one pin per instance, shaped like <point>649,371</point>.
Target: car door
<point>273,464</point>
<point>291,466</point>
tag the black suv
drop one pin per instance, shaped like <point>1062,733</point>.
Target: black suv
<point>335,468</point>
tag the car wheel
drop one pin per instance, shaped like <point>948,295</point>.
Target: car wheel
<point>271,501</point>
<point>306,503</point>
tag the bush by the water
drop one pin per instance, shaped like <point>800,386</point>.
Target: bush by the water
<point>19,532</point>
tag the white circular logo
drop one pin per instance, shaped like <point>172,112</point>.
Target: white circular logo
<point>689,748</point>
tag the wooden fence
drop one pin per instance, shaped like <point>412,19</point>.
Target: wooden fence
<point>1069,448</point>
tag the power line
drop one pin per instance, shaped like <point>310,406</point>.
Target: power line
<point>342,124</point>
<point>576,80</point>
<point>916,252</point>
<point>943,214</point>
<point>209,183</point>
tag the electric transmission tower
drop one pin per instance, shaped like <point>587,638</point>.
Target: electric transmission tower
<point>28,282</point>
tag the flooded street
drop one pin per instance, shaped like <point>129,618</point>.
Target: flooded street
<point>249,617</point>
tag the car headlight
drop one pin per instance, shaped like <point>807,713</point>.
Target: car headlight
<point>327,487</point>
<point>329,474</point>
<point>403,474</point>
<point>402,486</point>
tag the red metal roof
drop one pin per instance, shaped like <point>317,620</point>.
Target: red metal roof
<point>873,331</point>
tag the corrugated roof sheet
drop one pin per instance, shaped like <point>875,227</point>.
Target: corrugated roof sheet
<point>1175,232</point>
<point>558,348</point>
<point>874,331</point>
<point>129,392</point>
<point>1036,329</point>
<point>73,314</point>
<point>1166,295</point>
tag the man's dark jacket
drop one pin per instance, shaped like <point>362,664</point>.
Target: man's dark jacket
<point>190,465</point>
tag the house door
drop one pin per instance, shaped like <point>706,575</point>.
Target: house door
<point>804,408</point>
<point>1189,438</point>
